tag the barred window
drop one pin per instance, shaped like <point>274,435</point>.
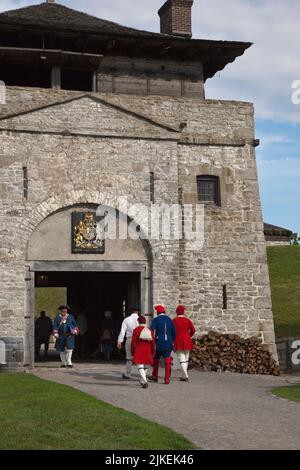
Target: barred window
<point>209,190</point>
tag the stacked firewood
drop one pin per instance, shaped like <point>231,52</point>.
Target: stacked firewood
<point>217,352</point>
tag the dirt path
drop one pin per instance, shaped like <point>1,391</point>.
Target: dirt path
<point>214,410</point>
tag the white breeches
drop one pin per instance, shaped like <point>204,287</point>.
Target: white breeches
<point>183,357</point>
<point>143,373</point>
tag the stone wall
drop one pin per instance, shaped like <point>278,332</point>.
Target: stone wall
<point>277,243</point>
<point>95,148</point>
<point>13,348</point>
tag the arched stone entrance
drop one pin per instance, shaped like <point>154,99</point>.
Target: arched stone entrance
<point>118,279</point>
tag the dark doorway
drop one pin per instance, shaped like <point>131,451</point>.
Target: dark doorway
<point>80,80</point>
<point>92,293</point>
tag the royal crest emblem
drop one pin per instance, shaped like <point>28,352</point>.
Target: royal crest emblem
<point>87,234</point>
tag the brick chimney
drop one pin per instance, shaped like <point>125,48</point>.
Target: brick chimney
<point>176,18</point>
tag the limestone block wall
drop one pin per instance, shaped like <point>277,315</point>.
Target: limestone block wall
<point>90,152</point>
<point>234,251</point>
<point>77,171</point>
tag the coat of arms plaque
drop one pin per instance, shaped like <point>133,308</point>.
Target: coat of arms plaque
<point>87,233</point>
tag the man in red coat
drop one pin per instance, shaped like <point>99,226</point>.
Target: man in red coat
<point>143,349</point>
<point>183,342</point>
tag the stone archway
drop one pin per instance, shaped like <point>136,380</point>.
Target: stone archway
<point>48,250</point>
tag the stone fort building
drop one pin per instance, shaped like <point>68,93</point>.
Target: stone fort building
<point>95,111</point>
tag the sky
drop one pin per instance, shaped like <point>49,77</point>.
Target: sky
<point>263,75</point>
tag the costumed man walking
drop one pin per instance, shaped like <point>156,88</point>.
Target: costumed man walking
<point>143,349</point>
<point>128,325</point>
<point>183,344</point>
<point>65,330</point>
<point>165,333</point>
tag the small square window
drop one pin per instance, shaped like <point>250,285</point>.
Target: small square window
<point>209,190</point>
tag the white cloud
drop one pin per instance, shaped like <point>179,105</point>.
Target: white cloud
<point>271,139</point>
<point>263,75</point>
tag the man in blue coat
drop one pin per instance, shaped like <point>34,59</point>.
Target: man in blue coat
<point>64,331</point>
<point>165,333</point>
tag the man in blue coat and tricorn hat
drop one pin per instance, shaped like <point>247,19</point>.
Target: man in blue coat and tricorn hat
<point>165,334</point>
<point>64,331</point>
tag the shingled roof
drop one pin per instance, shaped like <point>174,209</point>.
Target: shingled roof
<point>272,232</point>
<point>59,17</point>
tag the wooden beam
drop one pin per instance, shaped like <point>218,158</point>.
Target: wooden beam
<point>136,48</point>
<point>164,51</point>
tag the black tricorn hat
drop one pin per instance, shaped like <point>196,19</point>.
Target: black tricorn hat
<point>63,307</point>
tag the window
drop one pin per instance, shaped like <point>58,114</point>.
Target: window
<point>225,297</point>
<point>209,190</point>
<point>25,75</point>
<point>152,187</point>
<point>25,182</point>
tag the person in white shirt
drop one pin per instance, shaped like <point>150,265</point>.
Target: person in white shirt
<point>128,325</point>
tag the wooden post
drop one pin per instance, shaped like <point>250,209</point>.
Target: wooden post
<point>29,320</point>
<point>94,82</point>
<point>56,78</point>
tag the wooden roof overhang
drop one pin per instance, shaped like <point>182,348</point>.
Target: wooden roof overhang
<point>274,233</point>
<point>214,55</point>
<point>49,57</point>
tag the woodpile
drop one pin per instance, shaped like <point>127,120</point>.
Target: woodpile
<point>217,352</point>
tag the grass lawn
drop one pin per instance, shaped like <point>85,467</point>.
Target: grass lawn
<point>291,393</point>
<point>37,414</point>
<point>49,299</point>
<point>284,267</point>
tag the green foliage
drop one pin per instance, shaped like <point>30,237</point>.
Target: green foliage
<point>284,268</point>
<point>42,415</point>
<point>295,239</point>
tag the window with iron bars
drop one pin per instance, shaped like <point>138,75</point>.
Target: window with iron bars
<point>208,188</point>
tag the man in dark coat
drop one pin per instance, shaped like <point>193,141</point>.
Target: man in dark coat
<point>43,330</point>
<point>64,331</point>
<point>165,333</point>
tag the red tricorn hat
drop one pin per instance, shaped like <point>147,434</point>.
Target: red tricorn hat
<point>180,310</point>
<point>142,320</point>
<point>160,309</point>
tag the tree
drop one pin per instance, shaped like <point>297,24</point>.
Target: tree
<point>295,239</point>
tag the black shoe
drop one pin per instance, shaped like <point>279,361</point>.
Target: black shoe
<point>63,366</point>
<point>153,379</point>
<point>125,377</point>
<point>184,379</point>
<point>145,385</point>
<point>70,367</point>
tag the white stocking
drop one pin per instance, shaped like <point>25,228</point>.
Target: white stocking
<point>183,357</point>
<point>63,358</point>
<point>69,356</point>
<point>128,357</point>
<point>128,367</point>
<point>143,374</point>
<point>184,366</point>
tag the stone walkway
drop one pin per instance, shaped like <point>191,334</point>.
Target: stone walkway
<point>214,410</point>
